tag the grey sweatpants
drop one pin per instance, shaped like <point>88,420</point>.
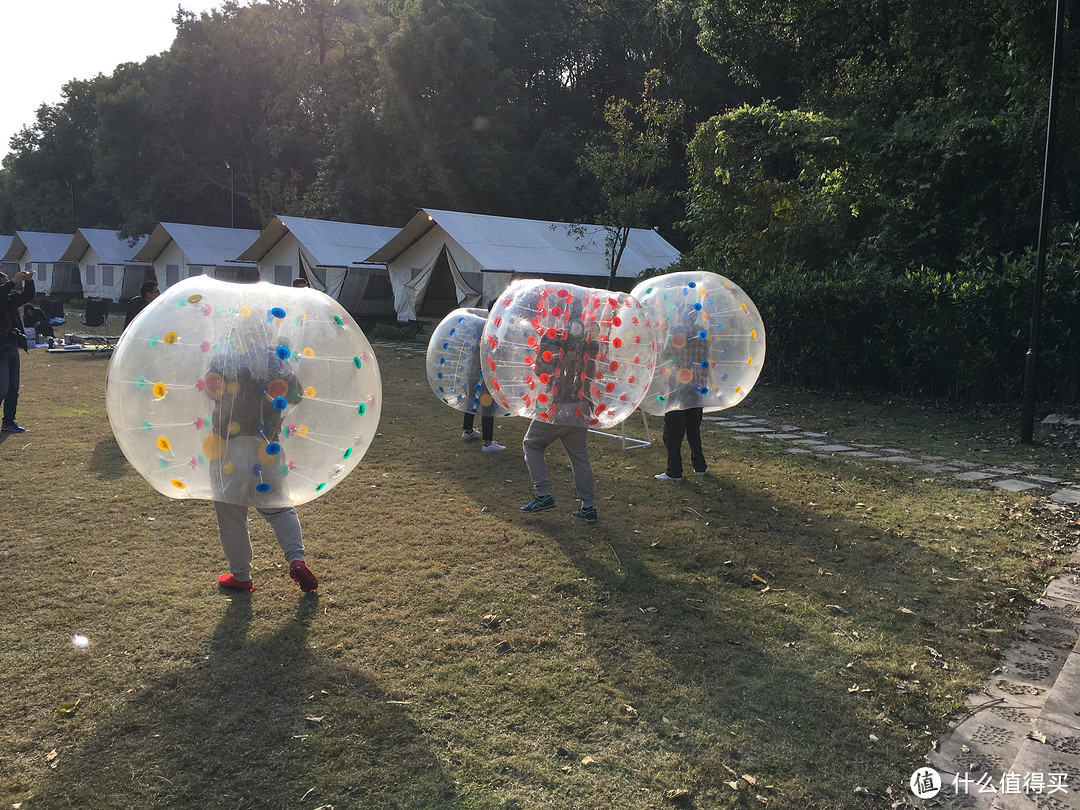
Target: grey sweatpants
<point>232,523</point>
<point>574,439</point>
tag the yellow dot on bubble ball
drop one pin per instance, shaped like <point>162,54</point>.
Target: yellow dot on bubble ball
<point>159,390</point>
<point>213,447</point>
<point>176,482</point>
<point>309,392</point>
<point>750,362</point>
<point>234,428</point>
<point>685,375</point>
<point>194,299</point>
<point>277,388</point>
<point>309,352</point>
<point>486,400</point>
<point>232,387</point>
<point>163,444</point>
<point>738,389</point>
<point>744,309</point>
<point>228,468</point>
<point>302,430</point>
<point>171,338</point>
<point>678,340</point>
<point>753,334</point>
<point>245,311</point>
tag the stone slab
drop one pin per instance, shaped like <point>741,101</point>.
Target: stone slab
<point>1013,485</point>
<point>835,448</point>
<point>787,436</point>
<point>973,475</point>
<point>1067,496</point>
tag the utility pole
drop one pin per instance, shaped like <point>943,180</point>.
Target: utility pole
<point>1027,415</point>
<point>232,198</point>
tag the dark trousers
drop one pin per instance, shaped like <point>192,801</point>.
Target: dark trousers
<point>487,425</point>
<point>678,424</point>
<point>9,381</point>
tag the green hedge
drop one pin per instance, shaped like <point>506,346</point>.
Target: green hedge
<point>961,335</point>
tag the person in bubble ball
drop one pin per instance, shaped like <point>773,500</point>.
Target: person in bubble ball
<point>244,384</point>
<point>573,370</point>
<point>686,422</point>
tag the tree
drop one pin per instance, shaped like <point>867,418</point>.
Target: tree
<point>629,160</point>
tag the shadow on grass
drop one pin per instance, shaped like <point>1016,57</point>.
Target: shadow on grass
<point>781,623</point>
<point>108,460</point>
<point>257,722</point>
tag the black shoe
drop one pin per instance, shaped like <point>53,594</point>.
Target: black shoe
<point>11,427</point>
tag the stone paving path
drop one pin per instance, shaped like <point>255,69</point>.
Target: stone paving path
<point>809,441</point>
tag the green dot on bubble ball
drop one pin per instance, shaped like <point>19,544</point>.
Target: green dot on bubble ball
<point>348,452</point>
<point>362,409</point>
<point>356,361</point>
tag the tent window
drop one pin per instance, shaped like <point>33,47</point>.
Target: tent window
<point>194,270</point>
<point>283,274</point>
<point>107,275</point>
<point>91,274</point>
<point>76,279</point>
<point>43,275</point>
<point>172,274</point>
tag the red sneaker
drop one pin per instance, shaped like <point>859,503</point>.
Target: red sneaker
<point>234,584</point>
<point>299,571</point>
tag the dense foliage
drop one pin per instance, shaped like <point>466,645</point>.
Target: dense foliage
<point>855,151</point>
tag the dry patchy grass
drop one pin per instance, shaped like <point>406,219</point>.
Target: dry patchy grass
<point>764,621</point>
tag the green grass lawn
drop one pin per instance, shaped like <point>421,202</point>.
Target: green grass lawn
<point>786,631</point>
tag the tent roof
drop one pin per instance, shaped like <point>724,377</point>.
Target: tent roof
<point>202,244</point>
<point>331,244</point>
<point>44,247</point>
<point>532,246</point>
<point>5,243</point>
<point>110,246</point>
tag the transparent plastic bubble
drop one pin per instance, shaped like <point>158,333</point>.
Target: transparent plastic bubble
<point>712,342</point>
<point>453,363</point>
<point>568,355</point>
<point>252,394</point>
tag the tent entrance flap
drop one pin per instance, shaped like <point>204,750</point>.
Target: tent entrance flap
<point>439,288</point>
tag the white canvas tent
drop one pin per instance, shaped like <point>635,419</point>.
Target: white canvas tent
<point>105,264</point>
<point>178,251</point>
<point>326,253</point>
<point>41,252</point>
<point>446,259</point>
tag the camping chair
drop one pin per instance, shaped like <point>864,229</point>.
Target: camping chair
<point>54,311</point>
<point>97,312</point>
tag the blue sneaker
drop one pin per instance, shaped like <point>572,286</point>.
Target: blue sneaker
<point>586,513</point>
<point>11,427</point>
<point>539,504</point>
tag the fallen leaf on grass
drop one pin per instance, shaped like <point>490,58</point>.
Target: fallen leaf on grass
<point>312,719</point>
<point>53,758</point>
<point>70,707</point>
<point>588,760</point>
<point>906,612</point>
<point>756,578</point>
<point>750,779</point>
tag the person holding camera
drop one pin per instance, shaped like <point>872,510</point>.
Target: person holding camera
<point>12,338</point>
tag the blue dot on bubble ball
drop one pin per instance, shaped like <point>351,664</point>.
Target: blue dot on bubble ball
<point>280,403</point>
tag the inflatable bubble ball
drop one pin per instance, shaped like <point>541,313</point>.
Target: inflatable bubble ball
<point>251,394</point>
<point>712,342</point>
<point>453,363</point>
<point>568,355</point>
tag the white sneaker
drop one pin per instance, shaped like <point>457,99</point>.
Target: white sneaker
<point>494,447</point>
<point>665,477</point>
<point>471,434</point>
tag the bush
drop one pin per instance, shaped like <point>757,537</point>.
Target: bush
<point>961,335</point>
